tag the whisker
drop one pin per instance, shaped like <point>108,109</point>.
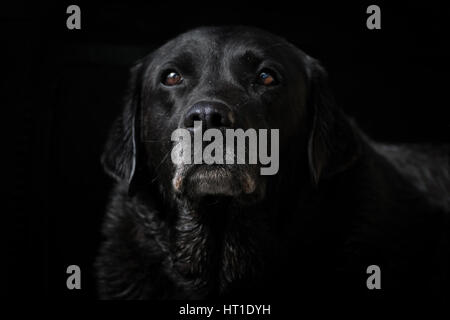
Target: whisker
<point>159,165</point>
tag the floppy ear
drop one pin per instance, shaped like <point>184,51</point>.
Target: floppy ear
<point>333,144</point>
<point>120,156</point>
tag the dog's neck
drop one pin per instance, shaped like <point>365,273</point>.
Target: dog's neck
<point>216,244</point>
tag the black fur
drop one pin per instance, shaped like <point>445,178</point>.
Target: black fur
<point>339,203</point>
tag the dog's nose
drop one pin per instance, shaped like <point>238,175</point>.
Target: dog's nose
<point>212,115</point>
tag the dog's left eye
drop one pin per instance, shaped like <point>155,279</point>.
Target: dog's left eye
<point>266,78</point>
<point>171,78</point>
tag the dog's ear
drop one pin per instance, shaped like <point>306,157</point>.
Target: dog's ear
<point>120,155</point>
<point>334,144</point>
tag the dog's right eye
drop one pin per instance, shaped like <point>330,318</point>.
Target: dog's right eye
<point>171,78</point>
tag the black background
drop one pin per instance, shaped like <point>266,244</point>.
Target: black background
<point>64,87</point>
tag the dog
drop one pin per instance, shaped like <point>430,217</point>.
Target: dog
<point>338,204</point>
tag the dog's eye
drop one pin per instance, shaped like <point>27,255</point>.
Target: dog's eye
<point>171,78</point>
<point>266,78</point>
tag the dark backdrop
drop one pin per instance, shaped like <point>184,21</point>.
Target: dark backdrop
<point>64,87</point>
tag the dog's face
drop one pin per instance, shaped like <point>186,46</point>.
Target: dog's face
<point>227,78</point>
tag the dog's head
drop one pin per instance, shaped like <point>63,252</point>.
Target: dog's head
<point>226,78</point>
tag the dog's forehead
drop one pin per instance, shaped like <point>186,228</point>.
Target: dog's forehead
<point>218,40</point>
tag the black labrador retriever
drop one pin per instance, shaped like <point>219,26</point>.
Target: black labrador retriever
<point>338,204</point>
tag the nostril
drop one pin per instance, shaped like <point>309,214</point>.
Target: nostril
<point>191,117</point>
<point>215,120</point>
<point>195,117</point>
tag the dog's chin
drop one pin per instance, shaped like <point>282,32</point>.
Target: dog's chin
<point>214,180</point>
